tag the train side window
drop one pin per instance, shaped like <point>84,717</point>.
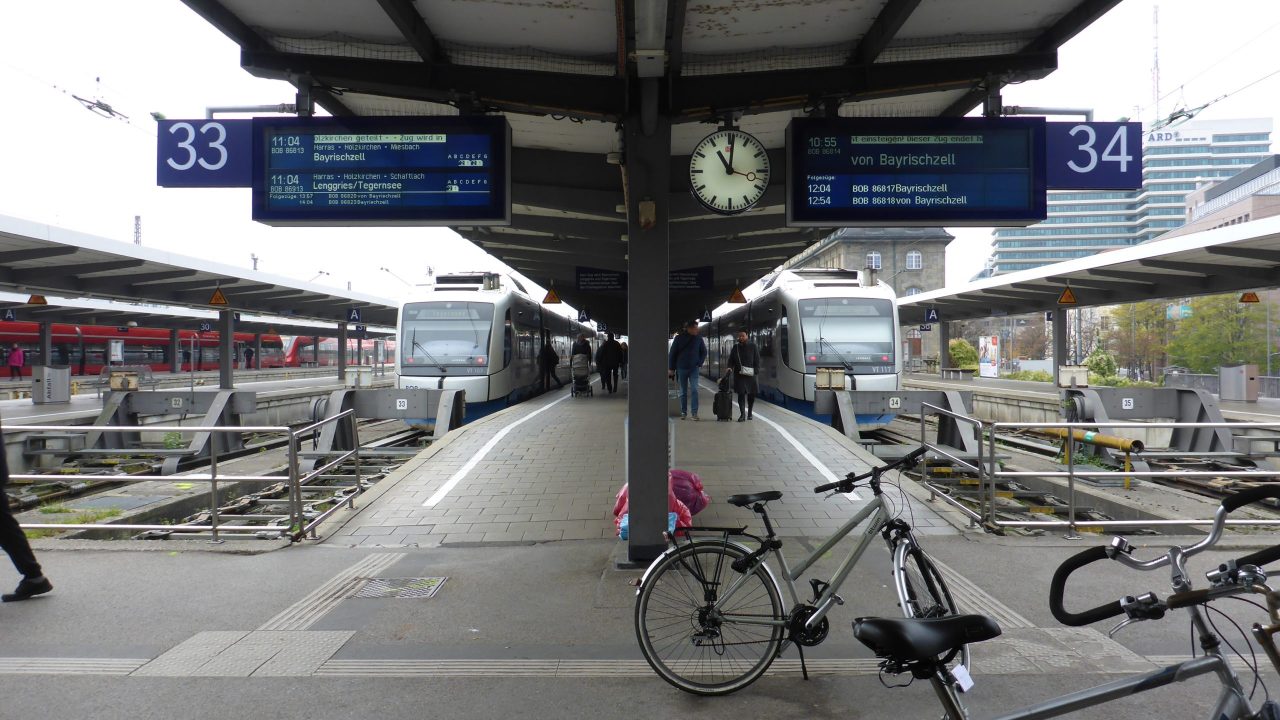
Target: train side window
<point>508,340</point>
<point>783,345</point>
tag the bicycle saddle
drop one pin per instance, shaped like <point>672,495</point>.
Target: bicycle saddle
<point>922,639</point>
<point>745,500</point>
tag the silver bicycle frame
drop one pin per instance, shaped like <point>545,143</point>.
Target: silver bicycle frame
<point>873,510</point>
<point>1231,701</point>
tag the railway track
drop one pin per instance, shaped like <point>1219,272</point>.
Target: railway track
<point>385,445</point>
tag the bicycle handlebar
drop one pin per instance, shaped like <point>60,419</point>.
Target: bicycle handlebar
<point>1057,589</point>
<point>1260,557</point>
<point>846,485</point>
<point>1252,495</point>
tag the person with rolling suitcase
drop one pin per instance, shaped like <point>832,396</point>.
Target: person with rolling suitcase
<point>744,360</point>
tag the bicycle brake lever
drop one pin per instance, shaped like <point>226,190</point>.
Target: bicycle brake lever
<point>1123,624</point>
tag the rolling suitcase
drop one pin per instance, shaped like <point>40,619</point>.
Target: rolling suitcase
<point>723,405</point>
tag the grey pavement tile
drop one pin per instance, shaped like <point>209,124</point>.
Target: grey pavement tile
<point>375,530</point>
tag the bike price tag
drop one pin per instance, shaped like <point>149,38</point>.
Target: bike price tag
<point>963,678</point>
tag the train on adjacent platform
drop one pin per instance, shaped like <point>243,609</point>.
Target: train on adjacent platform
<point>481,333</point>
<point>86,349</point>
<point>804,320</point>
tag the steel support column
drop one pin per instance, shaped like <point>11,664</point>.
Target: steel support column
<point>648,161</point>
<point>315,350</point>
<point>175,352</point>
<point>257,351</point>
<point>226,349</point>
<point>46,344</point>
<point>342,351</point>
<point>944,345</point>
<point>1060,349</point>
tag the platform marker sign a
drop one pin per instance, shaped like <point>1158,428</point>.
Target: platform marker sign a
<point>353,315</point>
<point>10,315</point>
<point>931,315</point>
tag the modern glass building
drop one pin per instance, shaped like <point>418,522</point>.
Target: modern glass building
<point>1176,161</point>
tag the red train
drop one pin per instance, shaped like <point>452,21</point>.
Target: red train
<point>87,348</point>
<point>301,352</point>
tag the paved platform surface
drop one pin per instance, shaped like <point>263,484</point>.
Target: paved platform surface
<point>539,625</point>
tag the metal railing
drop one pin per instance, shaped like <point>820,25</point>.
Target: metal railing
<point>989,473</point>
<point>299,526</point>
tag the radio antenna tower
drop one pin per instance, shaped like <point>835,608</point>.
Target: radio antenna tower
<point>1155,59</point>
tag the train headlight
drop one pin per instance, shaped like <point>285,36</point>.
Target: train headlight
<point>480,360</point>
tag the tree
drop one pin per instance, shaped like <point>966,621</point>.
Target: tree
<point>963,355</point>
<point>1221,331</point>
<point>1101,363</point>
<point>1137,337</point>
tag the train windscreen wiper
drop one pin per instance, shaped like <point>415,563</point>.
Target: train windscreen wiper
<point>847,365</point>
<point>415,345</point>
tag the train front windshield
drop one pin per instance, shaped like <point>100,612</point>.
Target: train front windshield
<point>853,333</point>
<point>436,335</point>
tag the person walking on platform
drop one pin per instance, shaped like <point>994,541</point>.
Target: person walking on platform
<point>548,360</point>
<point>744,360</point>
<point>15,544</point>
<point>688,352</point>
<point>248,358</point>
<point>623,367</point>
<point>16,359</point>
<point>608,358</point>
<point>581,347</point>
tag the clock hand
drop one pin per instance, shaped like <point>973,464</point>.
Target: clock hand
<point>727,167</point>
<point>732,145</point>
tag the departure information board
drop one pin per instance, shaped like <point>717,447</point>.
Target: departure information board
<point>915,171</point>
<point>382,171</point>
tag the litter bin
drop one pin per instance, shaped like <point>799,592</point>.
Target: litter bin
<point>1238,383</point>
<point>359,376</point>
<point>50,384</point>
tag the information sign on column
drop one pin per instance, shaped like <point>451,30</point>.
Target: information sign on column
<point>915,171</point>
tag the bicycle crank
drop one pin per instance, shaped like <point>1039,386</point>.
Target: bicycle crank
<point>806,636</point>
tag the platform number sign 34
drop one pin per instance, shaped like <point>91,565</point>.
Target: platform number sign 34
<point>1104,155</point>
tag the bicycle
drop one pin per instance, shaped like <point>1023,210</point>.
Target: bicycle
<point>911,646</point>
<point>710,618</point>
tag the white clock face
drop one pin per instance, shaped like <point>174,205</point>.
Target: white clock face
<point>729,171</point>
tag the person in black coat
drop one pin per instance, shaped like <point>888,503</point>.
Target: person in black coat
<point>744,360</point>
<point>548,360</point>
<point>608,358</point>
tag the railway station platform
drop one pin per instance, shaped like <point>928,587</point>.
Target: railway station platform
<point>507,522</point>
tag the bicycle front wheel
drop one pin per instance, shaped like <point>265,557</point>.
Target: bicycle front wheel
<point>705,627</point>
<point>922,593</point>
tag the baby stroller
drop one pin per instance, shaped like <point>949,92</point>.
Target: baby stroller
<point>580,367</point>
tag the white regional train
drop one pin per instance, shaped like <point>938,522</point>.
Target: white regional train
<point>480,332</point>
<point>809,319</point>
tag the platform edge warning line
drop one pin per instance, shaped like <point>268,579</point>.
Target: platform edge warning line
<point>470,465</point>
<point>305,612</point>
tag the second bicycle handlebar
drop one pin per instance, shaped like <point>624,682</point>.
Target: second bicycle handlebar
<point>845,485</point>
<point>1057,588</point>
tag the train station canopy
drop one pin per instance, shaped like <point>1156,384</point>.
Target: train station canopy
<point>1228,259</point>
<point>41,259</point>
<point>565,74</point>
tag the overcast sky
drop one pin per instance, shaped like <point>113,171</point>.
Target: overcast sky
<point>66,166</point>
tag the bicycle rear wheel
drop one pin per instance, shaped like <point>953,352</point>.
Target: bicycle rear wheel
<point>697,642</point>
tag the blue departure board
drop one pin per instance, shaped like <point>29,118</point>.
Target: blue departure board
<point>382,171</point>
<point>915,171</point>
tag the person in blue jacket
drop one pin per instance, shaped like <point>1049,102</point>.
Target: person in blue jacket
<point>688,352</point>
